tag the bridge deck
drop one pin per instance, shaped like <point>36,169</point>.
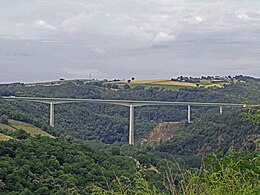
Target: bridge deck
<point>126,102</point>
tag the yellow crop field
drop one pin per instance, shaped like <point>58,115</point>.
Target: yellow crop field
<point>4,137</point>
<point>148,81</point>
<point>158,82</point>
<point>169,84</point>
<point>175,83</point>
<point>214,85</point>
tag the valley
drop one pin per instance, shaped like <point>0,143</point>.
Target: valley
<point>165,141</point>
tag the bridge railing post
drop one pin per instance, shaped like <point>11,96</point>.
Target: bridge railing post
<point>131,125</point>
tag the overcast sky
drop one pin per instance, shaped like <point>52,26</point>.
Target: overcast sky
<point>43,40</point>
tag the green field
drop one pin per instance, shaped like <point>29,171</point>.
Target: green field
<point>168,84</point>
<point>147,86</point>
<point>7,127</point>
<point>14,125</point>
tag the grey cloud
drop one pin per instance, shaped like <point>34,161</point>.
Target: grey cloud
<point>77,23</point>
<point>41,24</point>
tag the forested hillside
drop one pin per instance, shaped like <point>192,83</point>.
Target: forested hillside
<point>213,132</point>
<point>109,123</point>
<point>43,165</point>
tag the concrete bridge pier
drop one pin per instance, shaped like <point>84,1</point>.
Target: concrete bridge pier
<point>189,114</point>
<point>221,110</point>
<point>131,125</point>
<point>52,114</point>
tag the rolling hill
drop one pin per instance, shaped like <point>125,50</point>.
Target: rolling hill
<point>14,125</point>
<point>173,84</point>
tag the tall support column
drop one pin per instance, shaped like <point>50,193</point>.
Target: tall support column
<point>52,114</point>
<point>131,125</point>
<point>189,116</point>
<point>221,110</point>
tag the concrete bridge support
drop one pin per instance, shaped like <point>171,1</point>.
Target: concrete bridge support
<point>221,110</point>
<point>52,114</point>
<point>189,114</point>
<point>131,125</point>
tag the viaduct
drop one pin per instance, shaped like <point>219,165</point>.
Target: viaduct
<point>129,103</point>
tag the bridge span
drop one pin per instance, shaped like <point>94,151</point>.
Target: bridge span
<point>129,103</point>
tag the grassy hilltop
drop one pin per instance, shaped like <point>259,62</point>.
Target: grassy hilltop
<point>10,129</point>
<point>177,83</point>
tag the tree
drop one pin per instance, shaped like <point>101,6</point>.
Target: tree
<point>253,116</point>
<point>21,134</point>
<point>4,119</point>
<point>2,185</point>
<point>115,150</point>
<point>126,86</point>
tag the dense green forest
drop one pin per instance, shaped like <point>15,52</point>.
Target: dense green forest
<point>214,132</point>
<point>44,165</point>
